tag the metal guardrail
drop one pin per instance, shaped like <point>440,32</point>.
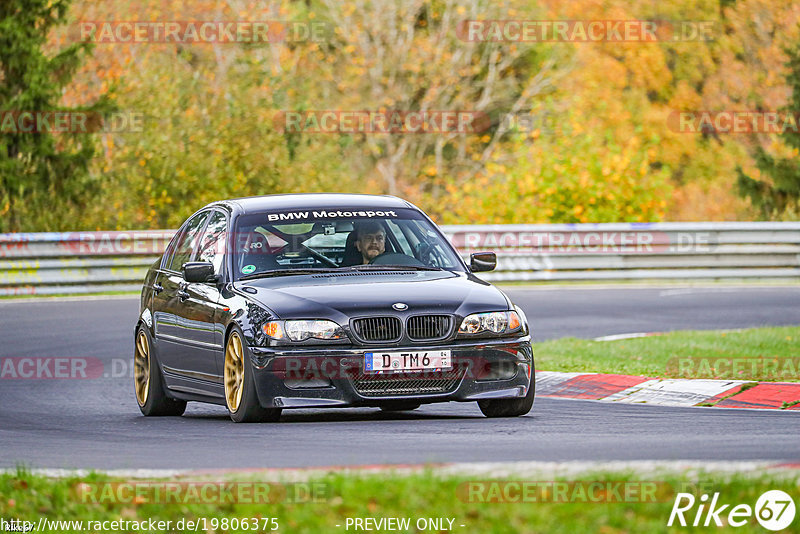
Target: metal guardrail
<point>636,251</point>
<point>86,262</point>
<point>77,262</point>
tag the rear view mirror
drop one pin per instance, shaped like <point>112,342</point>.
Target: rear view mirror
<point>198,272</point>
<point>482,261</point>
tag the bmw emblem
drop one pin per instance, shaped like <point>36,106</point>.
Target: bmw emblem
<point>400,306</point>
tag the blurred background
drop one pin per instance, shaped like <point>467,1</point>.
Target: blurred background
<point>579,131</point>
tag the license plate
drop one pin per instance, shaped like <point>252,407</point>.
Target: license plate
<point>407,361</point>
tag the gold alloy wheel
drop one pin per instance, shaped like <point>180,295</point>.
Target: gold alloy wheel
<point>234,372</point>
<point>141,366</point>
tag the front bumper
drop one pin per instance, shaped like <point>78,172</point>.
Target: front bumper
<point>321,376</point>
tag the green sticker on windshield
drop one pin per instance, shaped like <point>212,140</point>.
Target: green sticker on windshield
<point>247,269</point>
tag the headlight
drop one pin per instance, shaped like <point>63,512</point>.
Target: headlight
<point>300,330</point>
<point>503,322</point>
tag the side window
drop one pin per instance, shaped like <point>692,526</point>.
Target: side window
<point>212,245</point>
<point>187,242</point>
<point>401,238</point>
<point>170,250</point>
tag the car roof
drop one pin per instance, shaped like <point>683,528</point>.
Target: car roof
<point>314,200</point>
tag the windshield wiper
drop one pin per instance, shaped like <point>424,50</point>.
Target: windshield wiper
<point>281,272</point>
<point>388,267</point>
<point>323,270</point>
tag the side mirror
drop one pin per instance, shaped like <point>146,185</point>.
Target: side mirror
<point>482,261</point>
<point>198,272</point>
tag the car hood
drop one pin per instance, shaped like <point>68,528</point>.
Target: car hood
<point>342,296</point>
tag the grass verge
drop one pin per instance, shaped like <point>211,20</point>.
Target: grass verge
<point>419,496</point>
<point>762,354</point>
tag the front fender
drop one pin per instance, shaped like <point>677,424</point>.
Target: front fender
<point>249,316</point>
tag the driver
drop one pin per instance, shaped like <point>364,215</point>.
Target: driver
<point>370,240</point>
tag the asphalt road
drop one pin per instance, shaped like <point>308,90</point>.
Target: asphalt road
<point>95,422</point>
<point>588,313</point>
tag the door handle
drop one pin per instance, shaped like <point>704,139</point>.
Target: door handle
<point>183,295</point>
<point>157,288</point>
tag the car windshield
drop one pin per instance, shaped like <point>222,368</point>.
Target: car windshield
<point>296,241</point>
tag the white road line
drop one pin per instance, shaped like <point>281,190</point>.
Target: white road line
<point>724,289</point>
<point>633,335</point>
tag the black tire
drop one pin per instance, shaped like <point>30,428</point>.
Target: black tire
<point>400,406</point>
<point>510,407</point>
<point>156,402</point>
<point>249,409</point>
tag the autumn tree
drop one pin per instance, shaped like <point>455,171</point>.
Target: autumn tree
<point>412,56</point>
<point>607,152</point>
<point>44,178</point>
<point>776,192</point>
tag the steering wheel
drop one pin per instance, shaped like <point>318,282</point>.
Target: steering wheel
<point>394,258</point>
<point>429,255</point>
<point>321,257</point>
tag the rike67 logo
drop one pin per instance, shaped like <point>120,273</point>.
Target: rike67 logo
<point>774,510</point>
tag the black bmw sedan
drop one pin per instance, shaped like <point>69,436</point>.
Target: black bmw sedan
<point>325,300</point>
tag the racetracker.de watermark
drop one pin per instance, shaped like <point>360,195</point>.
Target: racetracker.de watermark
<point>586,31</point>
<point>23,246</point>
<point>583,241</point>
<point>335,121</point>
<point>64,368</point>
<point>631,241</point>
<point>777,368</point>
<point>200,32</point>
<point>734,122</point>
<point>311,368</point>
<point>74,122</point>
<point>204,492</point>
<point>571,491</point>
<point>543,122</point>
